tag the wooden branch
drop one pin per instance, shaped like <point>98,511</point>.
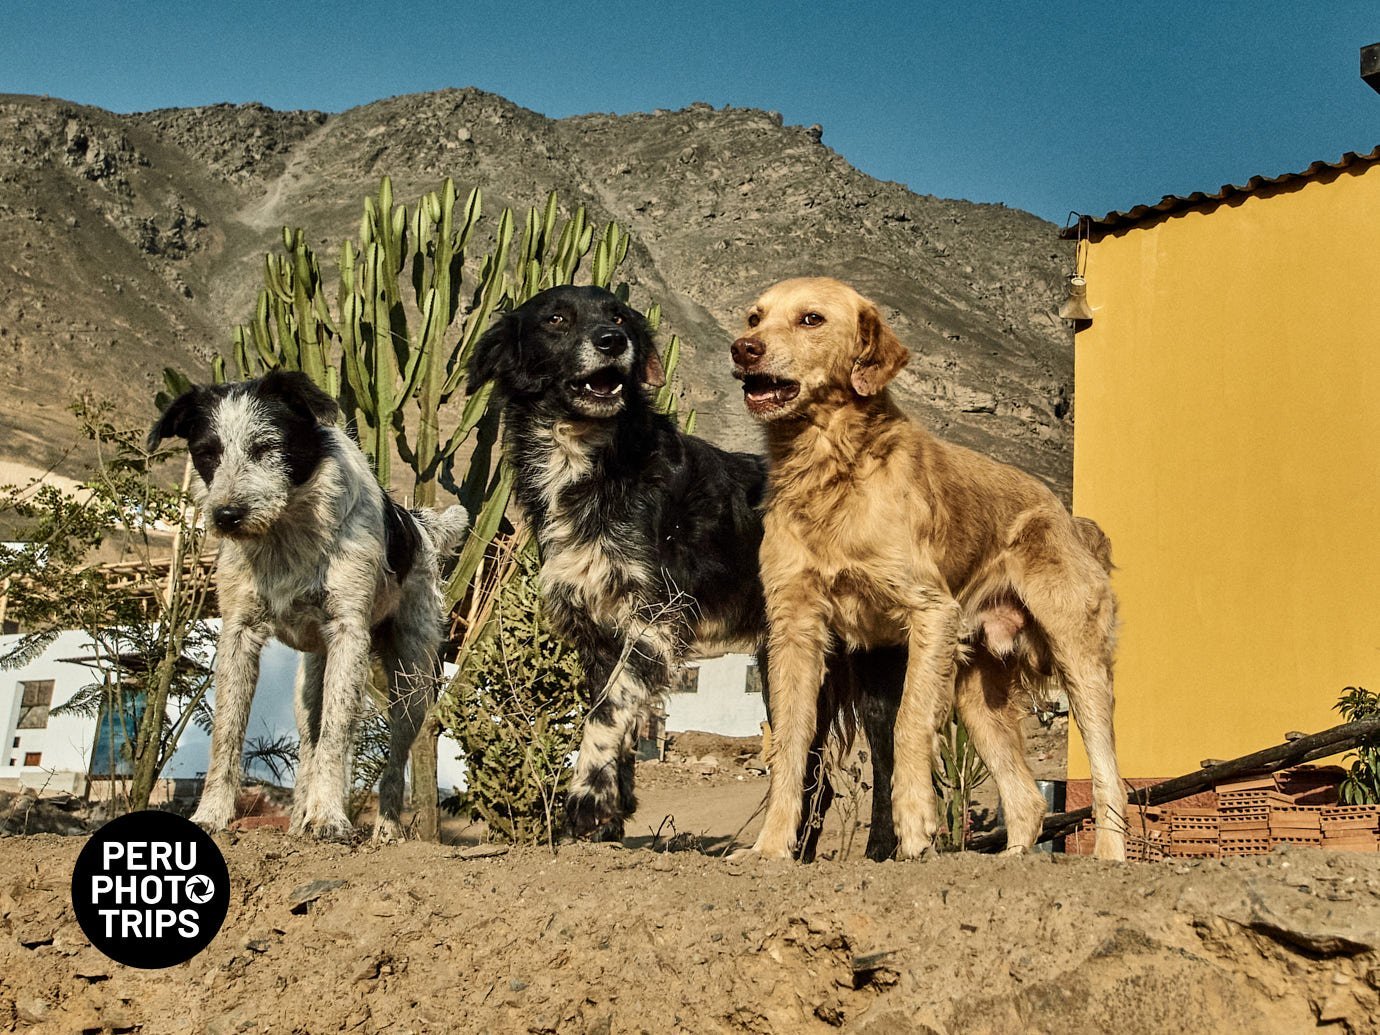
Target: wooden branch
<point>1293,752</point>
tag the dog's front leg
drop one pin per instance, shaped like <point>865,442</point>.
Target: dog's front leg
<point>621,677</point>
<point>311,681</point>
<point>346,670</point>
<point>795,671</point>
<point>237,673</point>
<point>926,704</point>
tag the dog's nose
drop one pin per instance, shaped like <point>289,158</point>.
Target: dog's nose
<point>611,342</point>
<point>228,519</point>
<point>747,351</point>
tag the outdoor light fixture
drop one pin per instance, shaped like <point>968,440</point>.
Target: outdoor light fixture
<point>1076,307</point>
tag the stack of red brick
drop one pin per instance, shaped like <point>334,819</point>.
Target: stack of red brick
<point>1251,817</point>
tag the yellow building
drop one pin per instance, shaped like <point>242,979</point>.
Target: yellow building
<point>1228,440</point>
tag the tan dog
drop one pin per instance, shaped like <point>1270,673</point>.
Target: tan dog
<point>878,533</point>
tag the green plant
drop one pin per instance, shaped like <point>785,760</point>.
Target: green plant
<point>961,772</point>
<point>1361,785</point>
<point>515,709</point>
<point>148,629</point>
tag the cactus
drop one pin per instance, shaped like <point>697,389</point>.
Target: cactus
<point>386,357</point>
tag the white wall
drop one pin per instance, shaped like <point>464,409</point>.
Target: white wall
<point>66,744</point>
<point>722,703</point>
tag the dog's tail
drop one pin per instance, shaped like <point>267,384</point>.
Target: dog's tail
<point>444,528</point>
<point>1090,534</point>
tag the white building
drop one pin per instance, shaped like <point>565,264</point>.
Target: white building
<point>62,752</point>
<point>720,695</point>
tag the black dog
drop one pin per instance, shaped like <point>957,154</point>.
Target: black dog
<point>648,537</point>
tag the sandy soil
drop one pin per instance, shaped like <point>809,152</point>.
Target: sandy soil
<point>607,939</point>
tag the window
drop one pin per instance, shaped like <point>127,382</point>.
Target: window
<point>685,680</point>
<point>16,741</point>
<point>33,757</point>
<point>752,682</point>
<point>37,696</point>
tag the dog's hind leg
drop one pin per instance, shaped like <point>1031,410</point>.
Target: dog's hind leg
<point>410,661</point>
<point>992,716</point>
<point>880,674</point>
<point>237,673</point>
<point>1071,598</point>
<point>307,706</point>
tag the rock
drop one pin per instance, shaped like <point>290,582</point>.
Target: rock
<point>482,852</point>
<point>301,897</point>
<point>31,1010</point>
<point>1317,926</point>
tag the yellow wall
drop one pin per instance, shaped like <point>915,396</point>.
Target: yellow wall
<point>1228,440</point>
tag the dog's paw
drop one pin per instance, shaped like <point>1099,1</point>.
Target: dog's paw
<point>765,850</point>
<point>325,827</point>
<point>921,848</point>
<point>589,819</point>
<point>1015,850</point>
<point>212,820</point>
<point>388,831</point>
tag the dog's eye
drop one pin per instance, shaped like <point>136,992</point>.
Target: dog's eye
<point>555,320</point>
<point>618,319</point>
<point>812,319</point>
<point>753,319</point>
<point>259,450</point>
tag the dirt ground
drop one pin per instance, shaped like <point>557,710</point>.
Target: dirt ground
<point>606,939</point>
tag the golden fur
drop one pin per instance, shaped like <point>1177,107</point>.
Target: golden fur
<point>879,533</point>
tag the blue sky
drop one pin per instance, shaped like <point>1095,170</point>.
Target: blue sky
<point>1049,107</point>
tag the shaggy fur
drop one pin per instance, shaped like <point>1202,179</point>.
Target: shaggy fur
<point>878,533</point>
<point>649,537</point>
<point>314,553</point>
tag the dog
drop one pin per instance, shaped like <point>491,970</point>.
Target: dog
<point>878,533</point>
<point>649,537</point>
<point>315,553</point>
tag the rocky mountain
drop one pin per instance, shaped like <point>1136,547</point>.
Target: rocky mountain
<point>134,242</point>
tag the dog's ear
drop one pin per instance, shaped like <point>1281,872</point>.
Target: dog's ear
<point>880,354</point>
<point>493,353</point>
<point>651,373</point>
<point>176,421</point>
<point>300,394</point>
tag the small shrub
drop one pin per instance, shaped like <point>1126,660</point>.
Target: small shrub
<point>1361,786</point>
<point>515,710</point>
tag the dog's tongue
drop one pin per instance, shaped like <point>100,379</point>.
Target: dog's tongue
<point>777,392</point>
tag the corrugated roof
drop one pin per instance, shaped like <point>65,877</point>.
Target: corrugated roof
<point>1172,203</point>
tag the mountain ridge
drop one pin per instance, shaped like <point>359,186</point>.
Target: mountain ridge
<point>136,242</point>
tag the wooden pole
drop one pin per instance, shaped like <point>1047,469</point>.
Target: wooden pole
<point>1294,752</point>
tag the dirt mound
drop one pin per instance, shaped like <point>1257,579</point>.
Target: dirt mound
<point>425,938</point>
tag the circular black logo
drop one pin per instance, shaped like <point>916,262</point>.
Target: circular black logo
<point>150,889</point>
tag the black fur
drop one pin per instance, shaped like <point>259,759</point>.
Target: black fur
<point>402,538</point>
<point>665,509</point>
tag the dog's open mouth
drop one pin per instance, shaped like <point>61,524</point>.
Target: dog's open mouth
<point>764,393</point>
<point>604,385</point>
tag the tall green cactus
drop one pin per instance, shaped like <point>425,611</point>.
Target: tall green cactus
<point>395,362</point>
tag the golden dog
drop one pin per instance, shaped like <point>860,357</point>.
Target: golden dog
<point>878,533</point>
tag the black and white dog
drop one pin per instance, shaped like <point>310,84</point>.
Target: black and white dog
<point>648,537</point>
<point>315,553</point>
